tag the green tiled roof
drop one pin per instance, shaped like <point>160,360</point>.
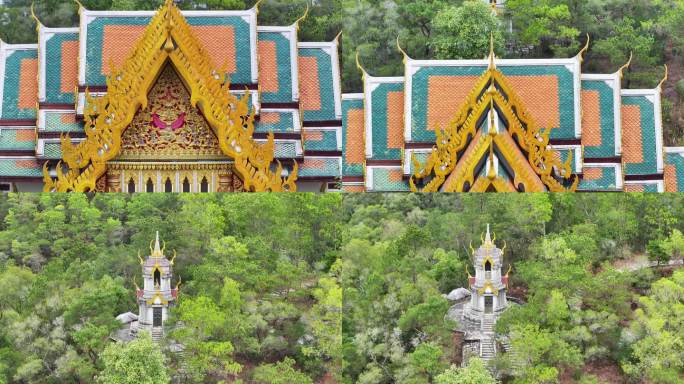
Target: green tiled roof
<point>283,59</point>
<point>677,160</point>
<point>606,182</point>
<point>648,137</point>
<point>20,168</point>
<point>379,121</point>
<point>285,150</point>
<point>53,73</point>
<point>326,142</point>
<point>55,122</point>
<point>350,169</point>
<point>94,43</point>
<point>10,107</point>
<point>52,150</point>
<point>607,118</point>
<point>285,122</point>
<point>382,181</point>
<point>320,167</point>
<point>17,139</point>
<point>325,83</point>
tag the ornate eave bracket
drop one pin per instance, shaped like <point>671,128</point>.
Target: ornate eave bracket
<point>167,38</point>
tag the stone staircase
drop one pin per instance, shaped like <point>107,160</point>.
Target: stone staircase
<point>157,333</point>
<point>487,325</point>
<point>488,341</point>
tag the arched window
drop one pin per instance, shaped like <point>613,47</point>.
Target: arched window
<point>168,187</point>
<point>488,266</point>
<point>149,185</point>
<point>204,185</point>
<point>186,185</point>
<point>131,186</point>
<point>157,277</point>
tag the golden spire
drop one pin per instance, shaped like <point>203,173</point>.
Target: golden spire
<point>406,56</point>
<point>584,49</point>
<point>157,252</point>
<point>492,55</point>
<point>306,13</point>
<point>34,17</point>
<point>488,236</point>
<point>660,85</point>
<point>629,62</point>
<point>256,6</point>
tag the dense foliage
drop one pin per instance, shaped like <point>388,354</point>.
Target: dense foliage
<point>259,296</point>
<point>402,252</point>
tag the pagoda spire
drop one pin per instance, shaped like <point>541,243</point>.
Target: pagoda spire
<point>488,237</point>
<point>157,251</point>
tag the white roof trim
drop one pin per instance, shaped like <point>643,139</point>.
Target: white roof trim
<point>352,96</point>
<point>679,150</point>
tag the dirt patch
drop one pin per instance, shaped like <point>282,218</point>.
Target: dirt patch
<point>605,371</point>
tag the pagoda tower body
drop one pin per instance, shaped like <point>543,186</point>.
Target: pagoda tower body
<point>157,295</point>
<point>477,308</point>
<point>488,286</point>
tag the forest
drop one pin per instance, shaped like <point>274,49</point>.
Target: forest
<point>259,296</point>
<point>652,30</point>
<point>592,312</point>
<point>331,288</point>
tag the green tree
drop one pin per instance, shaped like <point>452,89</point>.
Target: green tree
<point>659,326</point>
<point>140,361</point>
<point>282,372</point>
<point>474,373</point>
<point>464,32</point>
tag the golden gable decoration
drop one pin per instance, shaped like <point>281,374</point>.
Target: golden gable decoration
<point>491,93</point>
<point>167,38</point>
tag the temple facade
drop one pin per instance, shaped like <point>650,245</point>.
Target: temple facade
<point>477,308</point>
<point>211,101</point>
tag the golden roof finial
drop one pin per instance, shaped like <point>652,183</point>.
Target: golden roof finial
<point>472,251</point>
<point>359,66</point>
<point>140,258</point>
<point>256,6</point>
<point>488,237</point>
<point>174,257</point>
<point>492,55</point>
<point>629,62</point>
<point>80,6</point>
<point>34,17</point>
<point>306,13</point>
<point>157,252</point>
<point>337,37</point>
<point>584,49</point>
<point>179,282</point>
<point>660,85</point>
<point>135,283</point>
<point>468,270</point>
<point>406,56</point>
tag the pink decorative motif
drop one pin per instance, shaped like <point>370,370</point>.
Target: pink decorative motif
<point>157,122</point>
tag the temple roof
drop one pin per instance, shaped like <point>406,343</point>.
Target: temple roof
<point>595,135</point>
